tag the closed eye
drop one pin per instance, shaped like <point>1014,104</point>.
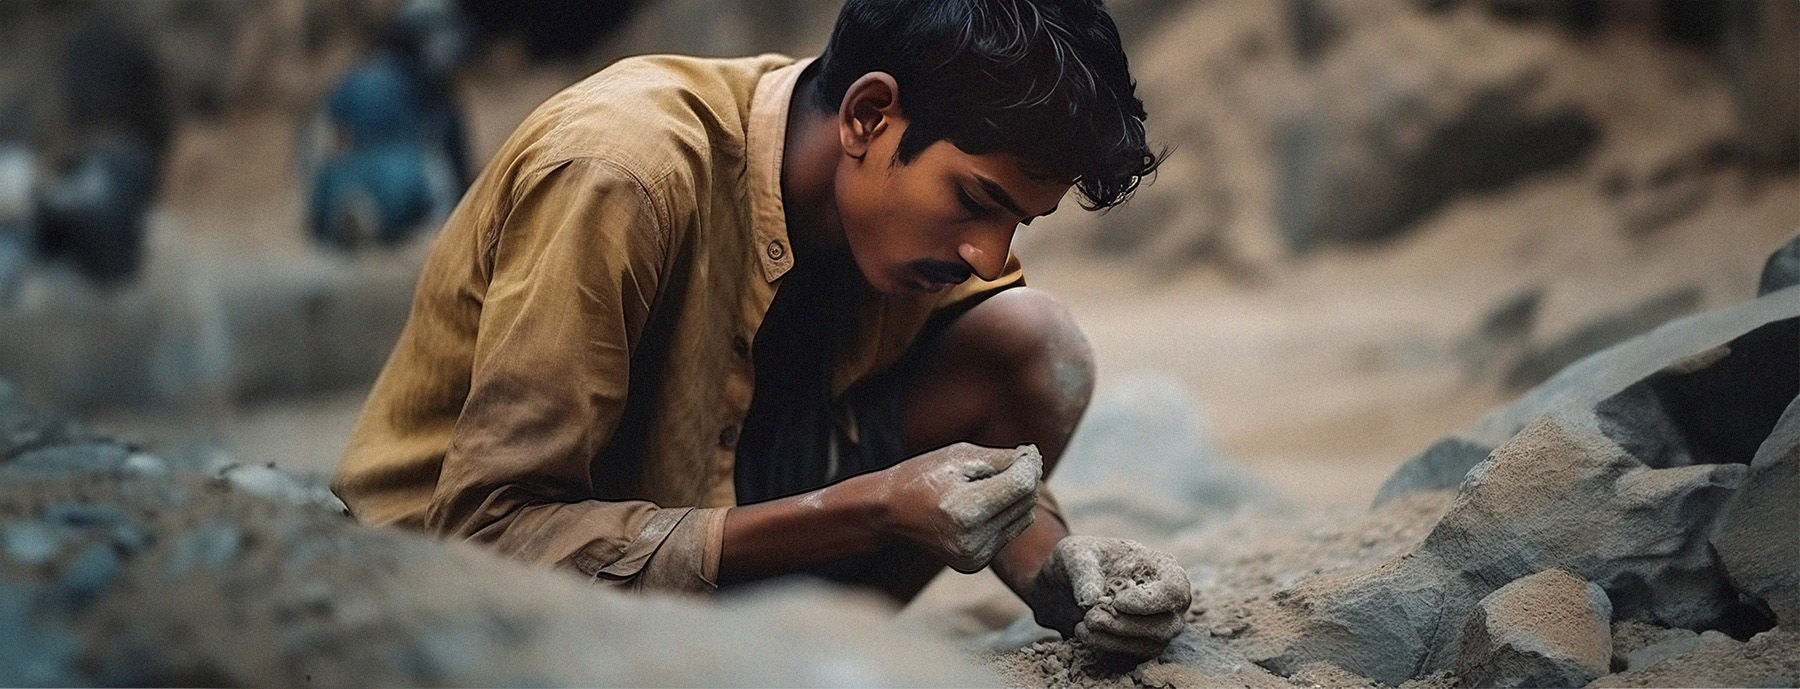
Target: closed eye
<point>969,203</point>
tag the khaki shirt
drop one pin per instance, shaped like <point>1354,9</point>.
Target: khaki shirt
<point>572,378</point>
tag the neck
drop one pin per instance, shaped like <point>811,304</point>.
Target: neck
<point>808,170</point>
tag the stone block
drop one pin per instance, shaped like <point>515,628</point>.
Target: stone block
<point>1758,536</point>
<point>1696,390</point>
<point>1559,495</point>
<point>1550,629</point>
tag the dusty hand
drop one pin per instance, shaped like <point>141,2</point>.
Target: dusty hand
<point>1112,594</point>
<point>964,502</point>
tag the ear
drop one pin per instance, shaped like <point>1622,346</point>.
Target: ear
<point>871,107</point>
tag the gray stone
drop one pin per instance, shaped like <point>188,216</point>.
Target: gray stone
<point>30,542</point>
<point>1705,392</point>
<point>1649,656</point>
<point>33,440</point>
<point>85,514</point>
<point>1441,466</point>
<point>1383,624</point>
<point>211,547</point>
<point>1212,657</point>
<point>33,653</point>
<point>1550,629</point>
<point>272,593</point>
<point>83,457</point>
<point>1630,636</point>
<point>267,481</point>
<point>1559,495</point>
<point>1758,536</point>
<point>1641,424</point>
<point>1782,270</point>
<point>1769,659</point>
<point>146,464</point>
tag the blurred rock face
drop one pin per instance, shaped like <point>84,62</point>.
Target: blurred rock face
<point>92,207</point>
<point>1307,124</point>
<point>1366,157</point>
<point>549,29</point>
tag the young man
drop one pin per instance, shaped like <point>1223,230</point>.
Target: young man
<point>702,322</point>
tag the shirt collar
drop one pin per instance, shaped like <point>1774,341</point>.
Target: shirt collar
<point>765,141</point>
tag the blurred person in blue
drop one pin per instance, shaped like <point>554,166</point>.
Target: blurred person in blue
<point>703,322</point>
<point>397,156</point>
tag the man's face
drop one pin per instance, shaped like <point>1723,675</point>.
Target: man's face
<point>920,227</point>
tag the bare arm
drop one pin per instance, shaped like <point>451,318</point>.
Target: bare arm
<point>962,504</point>
<point>837,521</point>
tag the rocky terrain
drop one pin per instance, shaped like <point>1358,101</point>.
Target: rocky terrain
<point>1540,224</point>
<point>1623,530</point>
<point>1637,530</point>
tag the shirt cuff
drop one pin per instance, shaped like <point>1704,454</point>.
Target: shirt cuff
<point>676,551</point>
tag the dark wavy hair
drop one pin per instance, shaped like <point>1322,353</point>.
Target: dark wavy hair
<point>1045,80</point>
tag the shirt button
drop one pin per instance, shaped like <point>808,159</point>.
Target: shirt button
<point>728,438</point>
<point>741,346</point>
<point>776,250</point>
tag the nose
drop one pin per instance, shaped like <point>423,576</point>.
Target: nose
<point>986,254</point>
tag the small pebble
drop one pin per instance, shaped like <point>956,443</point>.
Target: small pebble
<point>32,543</point>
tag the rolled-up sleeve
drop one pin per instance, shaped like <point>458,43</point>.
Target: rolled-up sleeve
<point>573,272</point>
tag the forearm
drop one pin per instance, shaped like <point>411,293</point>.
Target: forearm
<point>781,536</point>
<point>1019,562</point>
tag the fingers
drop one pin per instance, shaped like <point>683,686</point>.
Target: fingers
<point>1021,507</point>
<point>1002,491</point>
<point>1087,579</point>
<point>1023,467</point>
<point>979,462</point>
<point>1017,526</point>
<point>1123,644</point>
<point>1137,635</point>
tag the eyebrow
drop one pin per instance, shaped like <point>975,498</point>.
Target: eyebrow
<point>1000,196</point>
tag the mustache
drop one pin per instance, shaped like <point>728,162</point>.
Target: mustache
<point>941,271</point>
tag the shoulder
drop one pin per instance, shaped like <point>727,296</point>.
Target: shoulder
<point>663,118</point>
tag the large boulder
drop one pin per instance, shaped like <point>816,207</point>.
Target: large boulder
<point>1696,390</point>
<point>1561,495</point>
<point>116,569</point>
<point>1550,629</point>
<point>1758,537</point>
<point>118,580</point>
